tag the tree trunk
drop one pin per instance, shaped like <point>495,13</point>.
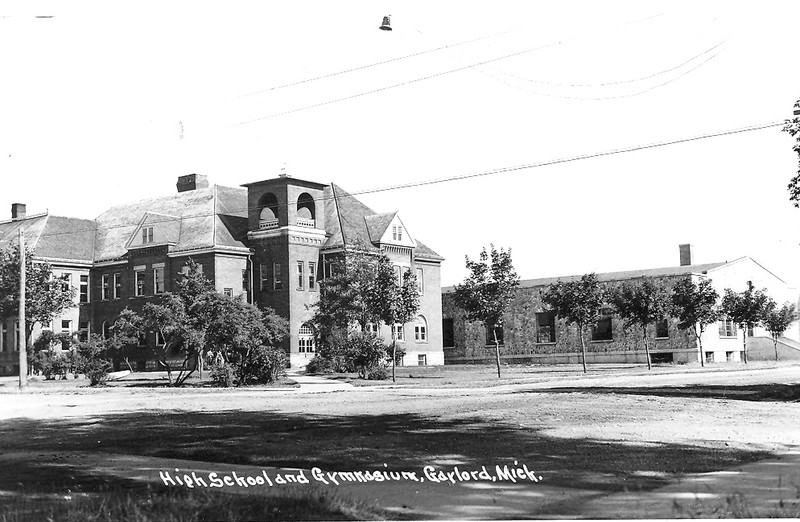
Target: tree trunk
<point>496,350</point>
<point>646,347</point>
<point>200,363</point>
<point>394,354</point>
<point>775,342</point>
<point>744,343</point>
<point>583,347</point>
<point>700,346</point>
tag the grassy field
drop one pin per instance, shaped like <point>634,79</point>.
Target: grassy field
<point>618,442</point>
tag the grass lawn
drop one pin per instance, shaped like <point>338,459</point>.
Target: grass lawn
<point>620,442</point>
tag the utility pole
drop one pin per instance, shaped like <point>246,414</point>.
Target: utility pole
<point>23,355</point>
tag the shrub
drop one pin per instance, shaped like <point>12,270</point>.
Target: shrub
<point>94,363</point>
<point>367,352</point>
<point>96,370</point>
<point>265,364</point>
<point>222,374</point>
<point>49,363</point>
<point>378,374</point>
<point>320,364</point>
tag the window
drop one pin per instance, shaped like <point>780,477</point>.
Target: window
<point>147,235</point>
<point>66,328</point>
<point>83,331</point>
<point>727,328</point>
<point>448,333</point>
<point>158,279</point>
<point>709,357</point>
<point>185,269</point>
<point>602,329</point>
<point>420,281</point>
<point>16,336</point>
<point>277,282</point>
<point>117,286</point>
<point>105,330</point>
<point>312,276</point>
<point>729,356</point>
<point>397,233</point>
<point>84,288</point>
<point>142,339</point>
<point>104,287</point>
<point>227,292</point>
<point>245,280</point>
<point>66,282</point>
<point>5,342</point>
<point>397,330</point>
<point>301,276</point>
<point>420,330</point>
<point>491,331</point>
<point>662,328</point>
<point>159,339</point>
<point>371,328</point>
<point>545,327</point>
<point>263,276</point>
<point>422,359</point>
<point>306,339</point>
<point>138,281</point>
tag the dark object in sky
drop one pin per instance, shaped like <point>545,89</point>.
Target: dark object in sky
<point>44,16</point>
<point>386,25</point>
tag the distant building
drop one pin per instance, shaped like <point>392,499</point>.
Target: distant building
<point>268,242</point>
<point>532,334</point>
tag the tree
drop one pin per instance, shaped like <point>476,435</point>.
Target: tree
<point>792,127</point>
<point>746,309</point>
<point>642,304</point>
<point>695,306</point>
<point>486,292</point>
<point>576,302</point>
<point>396,302</point>
<point>194,290</point>
<point>246,338</point>
<point>45,297</point>
<point>777,320</point>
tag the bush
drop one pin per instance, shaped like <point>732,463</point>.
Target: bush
<point>264,365</point>
<point>96,370</point>
<point>49,363</point>
<point>222,374</point>
<point>378,374</point>
<point>367,352</point>
<point>320,364</point>
<point>93,361</point>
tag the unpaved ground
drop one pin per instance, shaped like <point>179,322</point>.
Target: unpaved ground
<point>614,444</point>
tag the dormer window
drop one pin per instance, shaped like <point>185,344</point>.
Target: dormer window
<point>147,235</point>
<point>397,233</point>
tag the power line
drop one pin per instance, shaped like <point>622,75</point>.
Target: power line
<point>361,67</point>
<point>501,170</point>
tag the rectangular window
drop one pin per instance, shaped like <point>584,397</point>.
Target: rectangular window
<point>245,280</point>
<point>709,357</point>
<point>545,327</point>
<point>83,331</point>
<point>422,359</point>
<point>312,276</point>
<point>4,341</point>
<point>448,333</point>
<point>159,339</point>
<point>490,333</point>
<point>263,276</point>
<point>147,235</point>
<point>301,276</point>
<point>727,328</point>
<point>397,233</point>
<point>662,329</point>
<point>104,287</point>
<point>420,333</point>
<point>420,281</point>
<point>16,336</point>
<point>227,292</point>
<point>158,280</point>
<point>277,281</point>
<point>371,328</point>
<point>138,282</point>
<point>84,288</point>
<point>729,356</point>
<point>398,331</point>
<point>66,282</point>
<point>117,286</point>
<point>602,331</point>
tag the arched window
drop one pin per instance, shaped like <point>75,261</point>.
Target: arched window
<point>420,330</point>
<point>268,216</point>
<point>306,339</point>
<point>306,210</point>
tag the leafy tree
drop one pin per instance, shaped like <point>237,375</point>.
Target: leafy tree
<point>45,297</point>
<point>397,303</point>
<point>792,127</point>
<point>746,309</point>
<point>641,304</point>
<point>246,338</point>
<point>577,302</point>
<point>92,359</point>
<point>194,289</point>
<point>486,292</point>
<point>367,352</point>
<point>777,320</point>
<point>695,306</point>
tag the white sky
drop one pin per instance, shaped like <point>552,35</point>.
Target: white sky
<point>107,103</point>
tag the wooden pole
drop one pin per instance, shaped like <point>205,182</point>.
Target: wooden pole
<point>23,355</point>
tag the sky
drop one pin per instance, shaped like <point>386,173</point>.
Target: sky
<point>104,103</point>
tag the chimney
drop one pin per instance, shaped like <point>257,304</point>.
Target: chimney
<point>17,210</point>
<point>191,182</point>
<point>686,254</point>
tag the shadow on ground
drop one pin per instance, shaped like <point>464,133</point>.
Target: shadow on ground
<point>760,392</point>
